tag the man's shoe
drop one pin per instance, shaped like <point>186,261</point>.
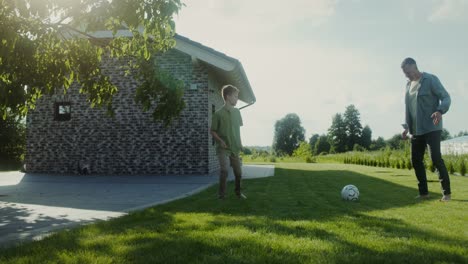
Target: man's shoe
<point>446,198</point>
<point>241,196</point>
<point>422,197</point>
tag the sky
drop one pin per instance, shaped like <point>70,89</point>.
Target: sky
<point>315,57</point>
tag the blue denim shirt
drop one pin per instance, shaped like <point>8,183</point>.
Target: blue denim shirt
<point>431,97</point>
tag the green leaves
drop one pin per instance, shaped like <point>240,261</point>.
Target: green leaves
<point>45,47</point>
<point>289,133</point>
<point>160,92</point>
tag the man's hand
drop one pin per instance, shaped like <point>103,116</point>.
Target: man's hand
<point>436,117</point>
<point>404,135</point>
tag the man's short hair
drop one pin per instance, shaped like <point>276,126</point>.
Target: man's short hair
<point>408,61</point>
<point>228,90</point>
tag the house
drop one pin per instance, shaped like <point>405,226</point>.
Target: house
<point>65,135</point>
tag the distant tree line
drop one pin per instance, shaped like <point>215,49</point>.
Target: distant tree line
<point>346,133</point>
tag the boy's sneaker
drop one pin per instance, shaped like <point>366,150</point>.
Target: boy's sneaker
<point>446,198</point>
<point>422,197</point>
<point>241,196</point>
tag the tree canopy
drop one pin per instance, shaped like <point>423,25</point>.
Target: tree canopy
<point>366,137</point>
<point>353,125</point>
<point>46,45</point>
<point>289,134</point>
<point>337,134</point>
<point>12,140</point>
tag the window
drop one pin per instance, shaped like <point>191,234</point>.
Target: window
<point>62,111</point>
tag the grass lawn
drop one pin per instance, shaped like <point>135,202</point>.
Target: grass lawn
<point>296,216</point>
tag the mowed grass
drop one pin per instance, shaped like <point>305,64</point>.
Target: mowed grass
<point>297,216</point>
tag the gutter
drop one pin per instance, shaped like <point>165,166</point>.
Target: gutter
<point>247,105</point>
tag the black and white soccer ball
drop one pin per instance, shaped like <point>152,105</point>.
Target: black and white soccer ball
<point>350,193</point>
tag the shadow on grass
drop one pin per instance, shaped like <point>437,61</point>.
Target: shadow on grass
<point>296,216</point>
<point>307,195</point>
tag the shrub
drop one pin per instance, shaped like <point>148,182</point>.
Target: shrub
<point>303,151</point>
<point>359,148</point>
<point>450,167</point>
<point>409,164</point>
<point>462,167</point>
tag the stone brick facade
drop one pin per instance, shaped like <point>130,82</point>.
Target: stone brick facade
<point>131,142</point>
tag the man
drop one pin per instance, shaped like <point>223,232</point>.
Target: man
<point>426,101</point>
<point>225,128</point>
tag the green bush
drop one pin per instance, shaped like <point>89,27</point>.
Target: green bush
<point>273,158</point>
<point>409,164</point>
<point>462,167</point>
<point>450,167</point>
<point>303,151</point>
<point>359,148</point>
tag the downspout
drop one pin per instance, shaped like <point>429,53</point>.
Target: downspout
<point>247,105</point>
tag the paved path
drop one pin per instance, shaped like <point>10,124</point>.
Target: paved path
<point>34,205</point>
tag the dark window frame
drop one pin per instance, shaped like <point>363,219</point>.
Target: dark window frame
<point>66,116</point>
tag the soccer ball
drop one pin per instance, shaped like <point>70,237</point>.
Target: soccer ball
<point>350,193</point>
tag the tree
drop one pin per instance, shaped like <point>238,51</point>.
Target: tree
<point>313,139</point>
<point>46,46</point>
<point>289,133</point>
<point>246,151</point>
<point>322,145</point>
<point>337,134</point>
<point>396,142</point>
<point>12,140</point>
<point>378,144</point>
<point>462,133</point>
<point>303,151</point>
<point>353,126</point>
<point>445,135</point>
<point>366,137</point>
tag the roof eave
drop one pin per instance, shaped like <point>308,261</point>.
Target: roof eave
<point>231,67</point>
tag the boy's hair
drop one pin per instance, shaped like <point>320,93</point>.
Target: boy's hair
<point>228,90</point>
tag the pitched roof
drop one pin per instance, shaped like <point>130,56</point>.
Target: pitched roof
<point>229,69</point>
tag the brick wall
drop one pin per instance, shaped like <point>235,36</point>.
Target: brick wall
<point>131,142</point>
<point>215,103</point>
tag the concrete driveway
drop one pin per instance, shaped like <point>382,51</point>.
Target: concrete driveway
<point>33,206</point>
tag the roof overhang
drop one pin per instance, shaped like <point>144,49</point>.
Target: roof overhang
<point>229,69</point>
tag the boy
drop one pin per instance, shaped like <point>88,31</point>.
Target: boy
<point>225,128</point>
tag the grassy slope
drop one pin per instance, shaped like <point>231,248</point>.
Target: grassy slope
<point>296,216</point>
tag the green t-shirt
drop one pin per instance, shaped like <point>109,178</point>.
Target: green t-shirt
<point>226,123</point>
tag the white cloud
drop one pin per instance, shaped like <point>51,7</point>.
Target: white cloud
<point>246,18</point>
<point>449,10</point>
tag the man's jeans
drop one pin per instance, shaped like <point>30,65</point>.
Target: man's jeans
<point>224,161</point>
<point>418,147</point>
